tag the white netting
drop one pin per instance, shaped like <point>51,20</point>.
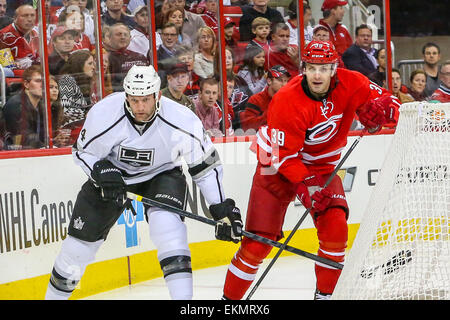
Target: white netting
<point>401,250</point>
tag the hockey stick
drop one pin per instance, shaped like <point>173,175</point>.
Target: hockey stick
<point>393,264</point>
<point>305,214</point>
<point>247,234</point>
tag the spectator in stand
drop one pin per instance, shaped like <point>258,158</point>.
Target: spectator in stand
<point>176,16</point>
<point>321,33</point>
<point>360,56</point>
<point>61,137</point>
<point>231,82</point>
<point>261,30</point>
<point>20,37</point>
<point>120,58</point>
<point>73,19</point>
<point>259,8</point>
<point>106,74</point>
<point>89,25</point>
<point>185,54</point>
<point>204,58</point>
<point>140,36</point>
<point>3,6</point>
<point>240,92</point>
<point>253,71</point>
<point>379,76</point>
<point>166,51</point>
<point>210,15</point>
<point>114,14</point>
<point>431,57</point>
<point>397,86</point>
<point>418,80</point>
<point>4,18</point>
<point>77,89</point>
<point>333,13</point>
<point>205,106</point>
<point>177,80</point>
<point>281,52</point>
<point>24,113</point>
<point>442,94</point>
<point>161,9</point>
<point>62,44</point>
<point>229,63</point>
<point>165,55</point>
<point>82,6</point>
<point>293,24</point>
<point>106,34</point>
<point>192,22</point>
<point>255,113</point>
<point>231,38</point>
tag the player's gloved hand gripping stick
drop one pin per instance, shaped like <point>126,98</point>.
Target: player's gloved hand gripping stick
<point>306,213</point>
<point>228,218</point>
<point>133,196</point>
<point>109,178</point>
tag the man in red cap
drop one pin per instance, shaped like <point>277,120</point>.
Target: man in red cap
<point>308,121</point>
<point>333,13</point>
<point>62,44</point>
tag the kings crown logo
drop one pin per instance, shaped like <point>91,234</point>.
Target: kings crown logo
<point>78,223</point>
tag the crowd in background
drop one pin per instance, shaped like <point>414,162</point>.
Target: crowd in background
<point>261,56</point>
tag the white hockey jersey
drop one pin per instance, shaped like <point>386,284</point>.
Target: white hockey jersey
<point>142,152</point>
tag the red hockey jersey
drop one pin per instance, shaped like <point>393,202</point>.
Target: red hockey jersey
<point>304,135</point>
<point>442,94</point>
<point>21,46</point>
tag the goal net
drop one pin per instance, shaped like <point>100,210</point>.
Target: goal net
<point>401,250</point>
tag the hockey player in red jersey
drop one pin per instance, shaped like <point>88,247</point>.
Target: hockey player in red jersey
<point>308,123</point>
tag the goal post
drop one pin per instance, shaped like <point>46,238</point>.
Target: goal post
<point>401,250</point>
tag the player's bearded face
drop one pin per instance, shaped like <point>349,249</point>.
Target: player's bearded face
<point>143,107</point>
<point>319,77</point>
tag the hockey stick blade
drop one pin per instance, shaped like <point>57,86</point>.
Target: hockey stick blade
<point>247,234</point>
<point>392,265</point>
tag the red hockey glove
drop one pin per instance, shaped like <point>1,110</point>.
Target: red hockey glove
<point>378,112</point>
<point>321,198</point>
<point>390,104</point>
<point>371,116</point>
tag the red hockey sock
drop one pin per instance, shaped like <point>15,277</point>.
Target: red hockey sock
<point>244,266</point>
<point>332,232</point>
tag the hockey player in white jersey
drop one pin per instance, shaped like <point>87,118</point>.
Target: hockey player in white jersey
<point>135,141</point>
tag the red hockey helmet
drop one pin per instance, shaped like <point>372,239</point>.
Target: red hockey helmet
<point>320,52</point>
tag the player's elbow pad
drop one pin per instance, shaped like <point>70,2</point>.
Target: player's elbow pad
<point>209,161</point>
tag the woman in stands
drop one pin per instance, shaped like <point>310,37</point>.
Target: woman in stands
<point>241,92</point>
<point>77,89</point>
<point>61,137</point>
<point>418,80</point>
<point>204,58</point>
<point>176,16</point>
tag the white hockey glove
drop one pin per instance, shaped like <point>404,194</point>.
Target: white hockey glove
<point>229,225</point>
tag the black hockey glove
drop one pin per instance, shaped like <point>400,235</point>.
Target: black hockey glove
<point>227,213</point>
<point>109,178</point>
